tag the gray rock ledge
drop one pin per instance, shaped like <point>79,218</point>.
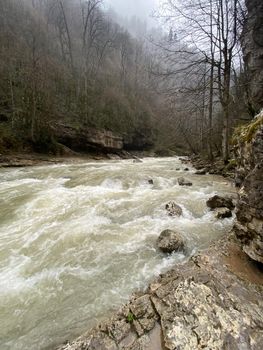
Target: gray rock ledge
<point>214,301</point>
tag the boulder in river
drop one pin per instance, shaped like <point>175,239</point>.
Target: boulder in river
<point>220,202</point>
<point>184,182</point>
<point>173,209</point>
<point>150,181</point>
<point>222,213</point>
<point>201,172</point>
<point>170,241</point>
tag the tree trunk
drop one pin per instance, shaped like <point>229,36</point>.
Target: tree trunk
<point>225,135</point>
<point>210,114</point>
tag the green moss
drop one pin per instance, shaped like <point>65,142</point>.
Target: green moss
<point>246,132</point>
<point>130,317</point>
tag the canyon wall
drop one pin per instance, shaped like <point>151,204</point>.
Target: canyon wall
<point>252,44</point>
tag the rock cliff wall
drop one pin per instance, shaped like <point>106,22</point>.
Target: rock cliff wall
<point>82,139</point>
<point>252,43</point>
<point>249,156</point>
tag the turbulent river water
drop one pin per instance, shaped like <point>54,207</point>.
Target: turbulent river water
<point>77,239</point>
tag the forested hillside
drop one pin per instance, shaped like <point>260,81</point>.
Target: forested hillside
<point>68,66</point>
<point>64,61</point>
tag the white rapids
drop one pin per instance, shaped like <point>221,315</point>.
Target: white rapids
<point>77,239</point>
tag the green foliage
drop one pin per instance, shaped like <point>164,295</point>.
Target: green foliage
<point>130,317</point>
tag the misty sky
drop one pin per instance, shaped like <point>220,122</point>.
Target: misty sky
<point>140,8</point>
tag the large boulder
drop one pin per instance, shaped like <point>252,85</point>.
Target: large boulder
<point>220,202</point>
<point>170,241</point>
<point>173,209</point>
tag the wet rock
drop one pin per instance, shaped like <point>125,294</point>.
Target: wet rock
<point>150,182</point>
<point>184,182</point>
<point>144,314</point>
<point>201,172</point>
<point>222,213</point>
<point>173,209</point>
<point>220,202</point>
<point>170,241</point>
<point>186,169</point>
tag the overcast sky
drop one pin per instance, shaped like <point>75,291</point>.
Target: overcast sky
<point>140,8</point>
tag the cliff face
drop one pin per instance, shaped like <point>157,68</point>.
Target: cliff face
<point>83,139</point>
<point>249,155</point>
<point>252,43</point>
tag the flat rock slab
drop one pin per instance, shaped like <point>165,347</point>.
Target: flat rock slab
<point>209,302</point>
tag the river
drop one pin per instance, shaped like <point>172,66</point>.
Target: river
<point>77,239</point>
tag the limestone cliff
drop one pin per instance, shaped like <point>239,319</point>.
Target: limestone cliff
<point>252,43</point>
<point>83,139</point>
<point>249,156</point>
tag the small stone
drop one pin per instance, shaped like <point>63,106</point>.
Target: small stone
<point>183,182</point>
<point>222,213</point>
<point>173,209</point>
<point>150,182</point>
<point>170,241</point>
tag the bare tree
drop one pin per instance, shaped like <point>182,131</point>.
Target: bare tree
<point>208,34</point>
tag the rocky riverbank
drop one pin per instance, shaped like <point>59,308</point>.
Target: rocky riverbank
<point>214,301</point>
<point>19,160</point>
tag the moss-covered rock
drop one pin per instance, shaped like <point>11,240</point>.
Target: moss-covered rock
<point>246,133</point>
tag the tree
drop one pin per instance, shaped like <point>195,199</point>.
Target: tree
<point>209,34</point>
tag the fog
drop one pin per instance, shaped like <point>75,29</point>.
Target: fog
<point>127,8</point>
